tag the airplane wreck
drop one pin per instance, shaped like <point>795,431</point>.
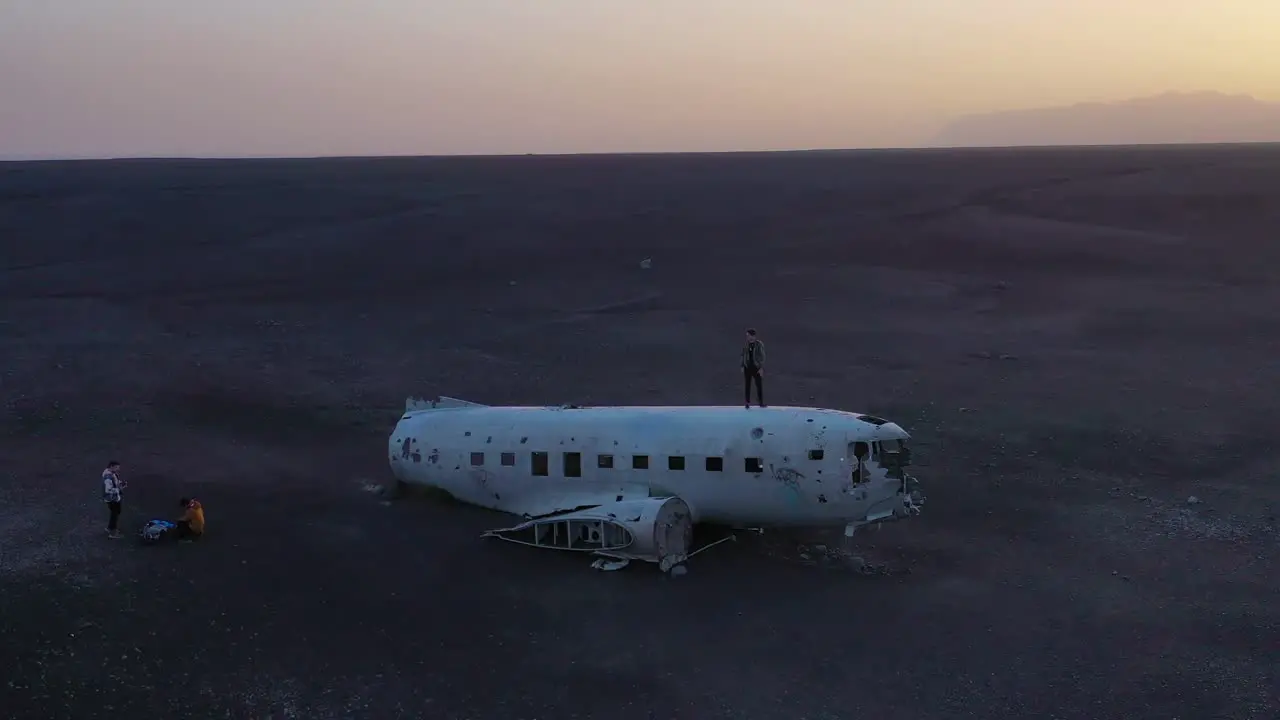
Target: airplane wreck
<point>630,483</point>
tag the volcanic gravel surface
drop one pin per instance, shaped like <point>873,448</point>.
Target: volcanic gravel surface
<point>1082,342</point>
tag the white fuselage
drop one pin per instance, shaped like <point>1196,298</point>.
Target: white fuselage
<point>776,466</point>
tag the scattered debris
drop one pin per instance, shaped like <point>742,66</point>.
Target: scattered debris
<point>1187,522</point>
<point>679,570</point>
<point>607,564</point>
<point>987,355</point>
<point>863,567</point>
<point>1193,500</point>
<point>832,558</point>
<point>646,263</point>
<point>727,538</point>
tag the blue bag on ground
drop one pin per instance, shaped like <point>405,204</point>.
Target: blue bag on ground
<point>155,530</point>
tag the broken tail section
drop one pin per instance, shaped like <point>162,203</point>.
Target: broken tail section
<point>444,402</point>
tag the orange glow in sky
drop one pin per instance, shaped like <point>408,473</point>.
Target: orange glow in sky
<point>91,78</point>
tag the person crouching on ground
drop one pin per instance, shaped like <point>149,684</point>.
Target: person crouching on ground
<point>191,524</point>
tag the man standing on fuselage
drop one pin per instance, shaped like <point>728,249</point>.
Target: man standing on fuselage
<point>753,368</point>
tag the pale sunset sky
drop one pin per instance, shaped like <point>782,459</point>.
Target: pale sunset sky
<point>103,78</point>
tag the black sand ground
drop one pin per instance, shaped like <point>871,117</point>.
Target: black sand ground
<point>1078,339</point>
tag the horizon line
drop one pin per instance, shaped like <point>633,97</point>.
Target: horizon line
<point>623,153</point>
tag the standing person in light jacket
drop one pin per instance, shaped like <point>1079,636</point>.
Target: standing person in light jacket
<point>111,495</point>
<point>753,368</point>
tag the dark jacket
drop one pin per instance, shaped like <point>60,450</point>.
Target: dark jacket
<point>753,359</point>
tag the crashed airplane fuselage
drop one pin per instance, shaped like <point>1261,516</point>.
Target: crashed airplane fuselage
<point>630,482</point>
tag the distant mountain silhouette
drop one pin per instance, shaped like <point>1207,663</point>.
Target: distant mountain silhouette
<point>1202,117</point>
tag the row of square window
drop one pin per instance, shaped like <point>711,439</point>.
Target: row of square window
<point>539,462</point>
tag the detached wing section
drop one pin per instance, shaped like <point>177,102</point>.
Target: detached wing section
<point>653,529</point>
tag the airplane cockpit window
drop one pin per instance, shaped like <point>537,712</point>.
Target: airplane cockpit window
<point>675,462</point>
<point>639,462</point>
<point>477,458</point>
<point>604,461</point>
<point>508,459</point>
<point>815,454</point>
<point>754,465</point>
<point>894,456</point>
<point>860,474</point>
<point>538,463</point>
<point>715,464</point>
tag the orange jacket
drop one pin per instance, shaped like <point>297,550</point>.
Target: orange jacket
<point>194,514</point>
